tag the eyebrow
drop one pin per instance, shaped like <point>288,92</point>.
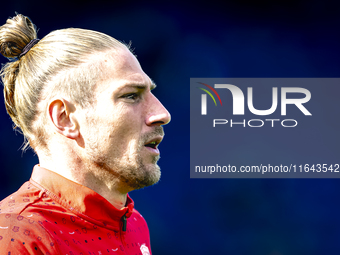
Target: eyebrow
<point>141,86</point>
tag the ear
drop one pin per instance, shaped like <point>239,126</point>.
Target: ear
<point>62,114</point>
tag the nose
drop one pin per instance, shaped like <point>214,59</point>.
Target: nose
<point>158,115</point>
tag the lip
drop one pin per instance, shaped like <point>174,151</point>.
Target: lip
<point>157,141</point>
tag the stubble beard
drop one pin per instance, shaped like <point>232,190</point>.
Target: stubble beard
<point>139,175</point>
<point>130,171</point>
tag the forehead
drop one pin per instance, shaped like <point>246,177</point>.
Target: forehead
<point>121,68</point>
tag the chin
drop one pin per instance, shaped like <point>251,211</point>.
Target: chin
<point>141,175</point>
<point>150,177</point>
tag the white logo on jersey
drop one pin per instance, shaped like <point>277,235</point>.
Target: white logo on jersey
<point>144,249</point>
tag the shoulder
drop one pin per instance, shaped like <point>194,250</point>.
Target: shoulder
<point>137,216</point>
<point>24,235</point>
<point>19,232</point>
<point>138,221</point>
<point>19,200</point>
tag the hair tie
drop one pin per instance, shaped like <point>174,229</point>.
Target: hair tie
<point>28,47</point>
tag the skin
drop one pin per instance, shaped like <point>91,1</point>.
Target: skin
<point>106,146</point>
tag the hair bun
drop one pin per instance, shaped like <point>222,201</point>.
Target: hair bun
<point>15,35</point>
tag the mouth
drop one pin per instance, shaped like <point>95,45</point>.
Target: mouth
<point>153,144</point>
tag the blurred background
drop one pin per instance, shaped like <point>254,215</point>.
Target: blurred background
<point>175,41</point>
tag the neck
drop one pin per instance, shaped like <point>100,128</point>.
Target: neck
<point>96,178</point>
<point>104,184</point>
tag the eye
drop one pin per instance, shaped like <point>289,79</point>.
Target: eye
<point>132,96</point>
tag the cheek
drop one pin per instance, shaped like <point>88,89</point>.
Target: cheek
<point>122,123</point>
<point>127,135</point>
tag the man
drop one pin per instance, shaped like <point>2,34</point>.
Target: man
<point>85,106</point>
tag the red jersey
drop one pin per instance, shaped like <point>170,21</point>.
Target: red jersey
<point>52,215</point>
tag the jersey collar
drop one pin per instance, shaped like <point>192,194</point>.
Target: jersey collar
<point>79,199</point>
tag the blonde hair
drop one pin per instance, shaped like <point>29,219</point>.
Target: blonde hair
<point>58,63</point>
